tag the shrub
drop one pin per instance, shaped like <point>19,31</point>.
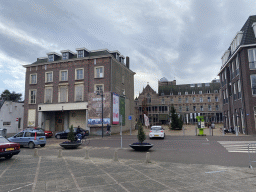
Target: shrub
<point>71,134</point>
<point>176,121</point>
<point>141,134</point>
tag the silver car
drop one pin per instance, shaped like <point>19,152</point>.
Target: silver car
<point>156,131</point>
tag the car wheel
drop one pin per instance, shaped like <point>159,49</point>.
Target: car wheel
<point>58,137</point>
<point>42,145</point>
<point>8,157</point>
<point>31,145</point>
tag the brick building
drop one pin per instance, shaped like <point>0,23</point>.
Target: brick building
<point>189,100</point>
<point>66,89</point>
<point>238,80</point>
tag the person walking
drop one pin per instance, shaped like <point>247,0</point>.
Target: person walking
<point>108,129</point>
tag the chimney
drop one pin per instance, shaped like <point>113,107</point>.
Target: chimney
<point>127,62</point>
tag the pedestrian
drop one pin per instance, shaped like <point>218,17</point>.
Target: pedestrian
<point>108,129</point>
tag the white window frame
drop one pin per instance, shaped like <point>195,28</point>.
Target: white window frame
<point>95,72</point>
<point>59,88</point>
<point>193,92</point>
<point>208,91</point>
<point>209,108</point>
<point>79,54</point>
<point>201,108</point>
<point>252,66</point>
<point>179,93</point>
<point>200,92</point>
<point>193,99</point>
<point>199,85</point>
<point>209,99</point>
<point>30,80</point>
<point>46,77</point>
<point>201,99</point>
<point>207,84</point>
<point>79,85</point>
<point>29,101</point>
<point>50,59</point>
<point>7,123</point>
<point>186,100</point>
<point>252,83</point>
<point>65,56</point>
<point>239,85</point>
<point>186,93</point>
<point>48,88</point>
<point>96,85</point>
<point>216,99</point>
<point>76,75</point>
<point>60,75</point>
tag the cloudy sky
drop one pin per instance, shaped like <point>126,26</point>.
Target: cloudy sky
<point>182,40</point>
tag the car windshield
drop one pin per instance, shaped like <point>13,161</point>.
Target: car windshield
<point>156,128</point>
<point>3,140</point>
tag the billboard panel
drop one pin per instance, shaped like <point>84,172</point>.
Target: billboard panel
<point>115,108</point>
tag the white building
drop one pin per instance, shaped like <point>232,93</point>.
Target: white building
<point>11,116</point>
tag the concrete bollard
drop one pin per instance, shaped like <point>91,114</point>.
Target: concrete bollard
<point>196,131</point>
<point>60,153</point>
<point>87,154</point>
<point>115,158</point>
<point>148,157</point>
<point>36,152</point>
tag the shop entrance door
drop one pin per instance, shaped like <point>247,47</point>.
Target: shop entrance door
<point>59,121</point>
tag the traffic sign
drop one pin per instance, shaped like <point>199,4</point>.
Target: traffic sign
<point>130,117</point>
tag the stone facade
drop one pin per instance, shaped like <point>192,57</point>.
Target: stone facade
<point>189,100</point>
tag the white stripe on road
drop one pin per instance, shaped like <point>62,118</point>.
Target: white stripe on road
<point>238,146</point>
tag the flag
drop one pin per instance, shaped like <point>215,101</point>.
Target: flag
<point>146,120</point>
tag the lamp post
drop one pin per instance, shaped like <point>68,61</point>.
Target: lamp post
<point>101,94</point>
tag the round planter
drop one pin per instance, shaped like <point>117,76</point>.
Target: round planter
<point>69,145</point>
<point>141,146</point>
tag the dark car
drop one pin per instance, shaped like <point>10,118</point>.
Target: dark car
<point>8,149</point>
<point>64,134</point>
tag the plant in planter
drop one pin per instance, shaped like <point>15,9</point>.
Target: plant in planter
<point>140,146</point>
<point>72,143</point>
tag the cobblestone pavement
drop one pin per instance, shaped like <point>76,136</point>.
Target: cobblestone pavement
<point>67,173</point>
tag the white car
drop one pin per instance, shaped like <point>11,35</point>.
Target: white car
<point>156,131</point>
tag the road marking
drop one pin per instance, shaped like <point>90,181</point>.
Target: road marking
<point>6,168</point>
<point>20,187</point>
<point>237,146</point>
<point>37,172</point>
<point>110,176</point>
<point>71,173</point>
<point>207,139</point>
<point>215,171</point>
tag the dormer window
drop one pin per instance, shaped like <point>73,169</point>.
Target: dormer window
<point>254,29</point>
<point>50,58</point>
<point>80,54</point>
<point>65,56</point>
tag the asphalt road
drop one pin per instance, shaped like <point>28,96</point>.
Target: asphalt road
<point>176,149</point>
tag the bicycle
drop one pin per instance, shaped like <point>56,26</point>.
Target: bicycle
<point>108,133</point>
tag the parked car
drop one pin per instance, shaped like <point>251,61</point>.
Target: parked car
<point>8,149</point>
<point>48,134</point>
<point>156,131</point>
<point>64,134</point>
<point>29,137</point>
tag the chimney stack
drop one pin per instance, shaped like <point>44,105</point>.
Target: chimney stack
<point>127,62</point>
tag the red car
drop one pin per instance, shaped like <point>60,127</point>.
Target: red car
<point>48,134</point>
<point>8,149</point>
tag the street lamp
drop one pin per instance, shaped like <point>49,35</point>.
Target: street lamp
<point>101,94</point>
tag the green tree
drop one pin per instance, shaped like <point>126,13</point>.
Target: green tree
<point>71,134</point>
<point>8,96</point>
<point>176,121</point>
<point>141,134</point>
